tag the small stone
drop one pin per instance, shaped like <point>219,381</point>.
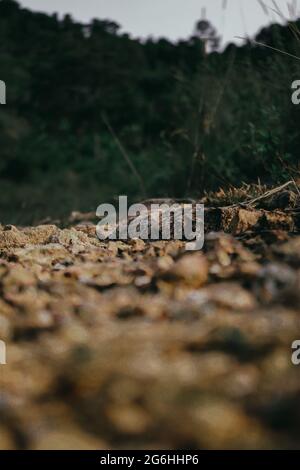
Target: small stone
<point>192,269</point>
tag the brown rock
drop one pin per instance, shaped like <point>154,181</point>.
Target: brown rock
<point>192,269</point>
<point>244,220</point>
<point>6,439</point>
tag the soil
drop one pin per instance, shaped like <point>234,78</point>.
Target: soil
<point>128,345</point>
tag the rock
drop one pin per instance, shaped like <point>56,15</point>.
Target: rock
<point>227,295</point>
<point>244,220</point>
<point>40,235</point>
<point>277,283</point>
<point>68,439</point>
<point>289,251</point>
<point>222,425</point>
<point>11,237</point>
<point>6,439</point>
<point>277,221</point>
<point>192,269</point>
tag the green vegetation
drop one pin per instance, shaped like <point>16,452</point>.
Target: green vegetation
<point>92,113</point>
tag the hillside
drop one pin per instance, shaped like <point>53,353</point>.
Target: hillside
<point>83,100</point>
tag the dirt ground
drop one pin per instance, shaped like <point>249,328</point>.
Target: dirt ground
<point>114,345</point>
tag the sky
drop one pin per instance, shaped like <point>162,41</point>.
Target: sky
<point>172,19</point>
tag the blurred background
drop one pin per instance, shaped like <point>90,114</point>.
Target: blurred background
<point>161,100</point>
<point>170,19</point>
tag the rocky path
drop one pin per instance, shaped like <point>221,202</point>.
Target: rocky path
<point>141,345</point>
